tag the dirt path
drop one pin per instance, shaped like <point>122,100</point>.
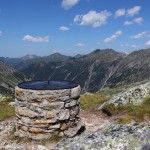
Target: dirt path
<point>93,119</point>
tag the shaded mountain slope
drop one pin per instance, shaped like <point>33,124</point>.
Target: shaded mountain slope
<point>133,68</point>
<point>90,71</point>
<point>9,77</point>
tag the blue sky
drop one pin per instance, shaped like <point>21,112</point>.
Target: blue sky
<point>42,27</point>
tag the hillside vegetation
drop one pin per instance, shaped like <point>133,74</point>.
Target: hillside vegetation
<point>130,112</point>
<point>121,113</point>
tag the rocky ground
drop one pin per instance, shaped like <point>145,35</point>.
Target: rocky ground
<point>93,122</point>
<point>9,142</point>
<point>134,96</point>
<point>111,137</point>
<point>100,134</point>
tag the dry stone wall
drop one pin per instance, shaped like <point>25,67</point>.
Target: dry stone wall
<point>40,113</point>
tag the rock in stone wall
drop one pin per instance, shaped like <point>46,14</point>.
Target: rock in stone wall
<point>40,113</point>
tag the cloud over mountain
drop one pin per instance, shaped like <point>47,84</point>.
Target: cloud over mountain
<point>139,35</point>
<point>127,23</point>
<point>113,37</point>
<point>120,12</point>
<point>93,18</point>
<point>80,45</point>
<point>63,28</point>
<point>133,11</point>
<point>40,39</point>
<point>138,21</point>
<point>147,43</point>
<point>67,4</point>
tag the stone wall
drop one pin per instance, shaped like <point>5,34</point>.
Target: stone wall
<point>40,113</point>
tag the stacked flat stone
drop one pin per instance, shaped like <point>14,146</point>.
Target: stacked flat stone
<point>41,113</point>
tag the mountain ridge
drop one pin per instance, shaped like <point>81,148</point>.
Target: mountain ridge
<point>94,71</point>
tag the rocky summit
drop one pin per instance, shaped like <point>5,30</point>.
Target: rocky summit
<point>132,136</point>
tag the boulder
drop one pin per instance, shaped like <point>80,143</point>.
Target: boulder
<point>134,95</point>
<point>71,132</point>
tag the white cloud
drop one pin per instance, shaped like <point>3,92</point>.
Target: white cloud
<point>138,20</point>
<point>113,37</point>
<point>62,28</point>
<point>133,11</point>
<point>120,12</point>
<point>129,12</point>
<point>67,4</point>
<point>135,46</point>
<point>135,20</point>
<point>128,23</point>
<point>1,33</point>
<point>93,18</point>
<point>80,45</point>
<point>147,43</point>
<point>124,45</point>
<point>98,43</point>
<point>30,38</point>
<point>139,35</point>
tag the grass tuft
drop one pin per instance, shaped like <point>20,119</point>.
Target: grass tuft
<point>93,100</point>
<point>137,113</point>
<point>5,110</point>
<point>125,119</point>
<point>55,137</point>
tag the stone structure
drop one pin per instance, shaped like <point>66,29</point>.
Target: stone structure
<point>41,113</point>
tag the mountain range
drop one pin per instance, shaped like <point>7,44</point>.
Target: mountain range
<point>94,71</point>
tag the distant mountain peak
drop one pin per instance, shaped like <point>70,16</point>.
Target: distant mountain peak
<point>57,57</point>
<point>97,50</point>
<point>78,56</point>
<point>26,57</point>
<point>103,51</point>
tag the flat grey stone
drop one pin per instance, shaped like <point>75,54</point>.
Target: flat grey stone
<point>41,147</point>
<point>2,127</point>
<point>75,92</point>
<point>12,104</point>
<point>63,115</point>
